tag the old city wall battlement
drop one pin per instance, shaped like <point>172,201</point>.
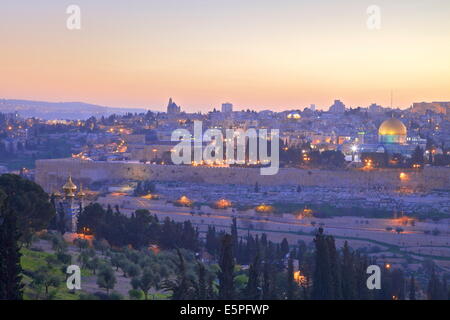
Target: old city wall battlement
<point>51,174</point>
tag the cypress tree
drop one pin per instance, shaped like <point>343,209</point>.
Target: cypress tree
<point>267,286</point>
<point>211,244</point>
<point>445,291</point>
<point>348,273</point>
<point>361,264</point>
<point>226,273</point>
<point>10,268</point>
<point>284,247</point>
<point>252,291</point>
<point>180,287</point>
<point>202,287</point>
<point>290,293</point>
<point>412,289</point>
<point>234,237</point>
<point>433,290</point>
<point>398,284</point>
<point>322,289</point>
<point>336,288</point>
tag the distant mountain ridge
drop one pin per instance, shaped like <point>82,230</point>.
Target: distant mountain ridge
<point>61,110</point>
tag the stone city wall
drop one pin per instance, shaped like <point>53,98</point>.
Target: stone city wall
<point>52,174</point>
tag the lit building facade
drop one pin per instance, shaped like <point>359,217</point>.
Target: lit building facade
<point>392,139</point>
<point>69,205</point>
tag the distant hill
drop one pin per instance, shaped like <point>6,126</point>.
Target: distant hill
<point>61,110</point>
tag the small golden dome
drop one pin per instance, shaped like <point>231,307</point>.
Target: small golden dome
<point>392,127</point>
<point>81,193</point>
<point>69,186</point>
<point>57,194</point>
<point>294,115</point>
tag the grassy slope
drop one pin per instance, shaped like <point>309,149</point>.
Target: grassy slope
<point>32,261</point>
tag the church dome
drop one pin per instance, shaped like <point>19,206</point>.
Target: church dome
<point>392,127</point>
<point>69,186</point>
<point>81,193</point>
<point>392,131</point>
<point>294,116</point>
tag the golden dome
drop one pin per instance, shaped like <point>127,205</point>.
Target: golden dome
<point>69,186</point>
<point>294,115</point>
<point>392,127</point>
<point>70,194</point>
<point>57,194</point>
<point>81,193</point>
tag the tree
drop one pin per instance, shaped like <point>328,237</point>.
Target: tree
<point>132,270</point>
<point>92,217</point>
<point>29,203</point>
<point>58,243</point>
<point>284,247</point>
<point>211,241</point>
<point>417,157</point>
<point>84,258</point>
<point>93,264</point>
<point>145,282</point>
<point>322,284</point>
<point>81,244</point>
<point>101,245</point>
<point>10,268</point>
<point>290,292</point>
<point>106,278</point>
<point>181,287</point>
<point>268,281</point>
<point>226,273</point>
<point>398,284</point>
<point>348,273</point>
<point>45,277</point>
<point>135,294</point>
<point>335,274</point>
<point>434,287</point>
<point>144,188</point>
<point>202,286</point>
<point>444,290</point>
<point>234,236</point>
<point>253,289</point>
<point>412,289</point>
<point>116,260</point>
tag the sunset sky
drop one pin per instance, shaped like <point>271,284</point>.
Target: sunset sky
<point>262,54</point>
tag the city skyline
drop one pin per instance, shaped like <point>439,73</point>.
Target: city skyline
<point>224,154</point>
<point>256,55</point>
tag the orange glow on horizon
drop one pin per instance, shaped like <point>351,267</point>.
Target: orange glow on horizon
<point>205,55</point>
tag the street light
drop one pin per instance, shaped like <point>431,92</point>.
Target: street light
<point>354,149</point>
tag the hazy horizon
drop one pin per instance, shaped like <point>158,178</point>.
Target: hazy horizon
<point>255,54</point>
